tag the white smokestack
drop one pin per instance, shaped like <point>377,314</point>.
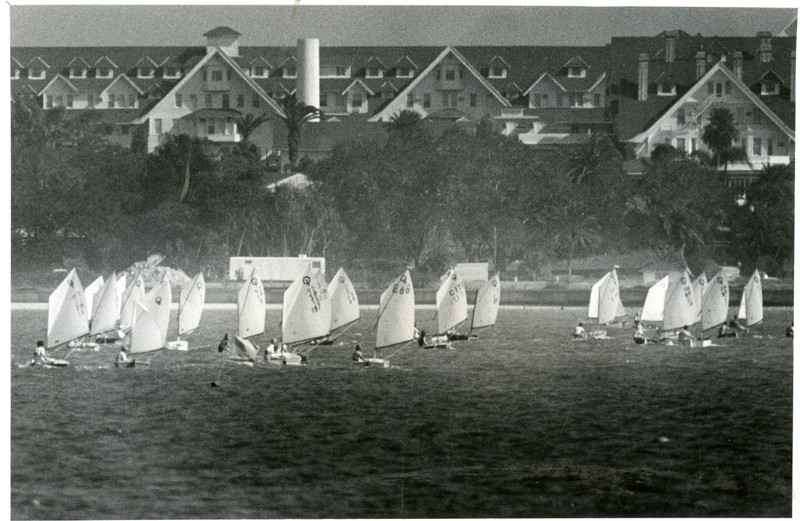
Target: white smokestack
<point>308,71</point>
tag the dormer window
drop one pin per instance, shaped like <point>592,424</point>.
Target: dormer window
<point>259,72</point>
<point>290,71</point>
<point>104,72</point>
<point>334,71</point>
<point>15,74</point>
<point>145,72</point>
<point>576,72</point>
<point>36,74</point>
<point>172,72</point>
<point>770,88</point>
<point>666,89</point>
<point>404,72</point>
<point>374,72</point>
<point>77,72</point>
<point>498,71</point>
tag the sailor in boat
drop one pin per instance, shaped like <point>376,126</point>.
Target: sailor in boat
<point>122,357</point>
<point>422,339</point>
<point>579,332</point>
<point>638,335</point>
<point>358,356</point>
<point>269,351</point>
<point>730,329</point>
<point>685,337</point>
<point>637,318</point>
<point>40,354</point>
<point>790,330</point>
<point>452,334</point>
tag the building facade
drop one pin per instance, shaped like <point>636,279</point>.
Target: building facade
<point>645,90</point>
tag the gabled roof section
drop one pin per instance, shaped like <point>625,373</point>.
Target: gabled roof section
<point>408,60</point>
<point>497,58</point>
<point>145,61</point>
<point>105,61</point>
<point>289,59</point>
<point>790,29</point>
<point>80,61</point>
<point>596,83</point>
<point>374,60</point>
<point>259,61</point>
<point>16,62</point>
<point>512,85</point>
<point>124,77</point>
<point>542,77</point>
<point>38,59</point>
<point>576,61</point>
<point>398,103</point>
<point>221,30</point>
<point>171,60</point>
<point>771,76</point>
<point>387,86</point>
<point>286,89</point>
<point>358,82</point>
<point>700,84</point>
<point>55,79</point>
<point>155,88</point>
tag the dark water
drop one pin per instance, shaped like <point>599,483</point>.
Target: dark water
<point>521,423</point>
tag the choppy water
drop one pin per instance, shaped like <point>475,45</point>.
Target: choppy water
<point>521,423</point>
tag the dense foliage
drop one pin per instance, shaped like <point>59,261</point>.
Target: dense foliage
<point>426,197</point>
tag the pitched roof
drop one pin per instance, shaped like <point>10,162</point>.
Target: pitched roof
<point>79,60</point>
<point>358,82</point>
<point>123,77</point>
<point>576,61</point>
<point>56,78</point>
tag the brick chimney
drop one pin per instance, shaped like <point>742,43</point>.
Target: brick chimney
<point>644,80</point>
<point>737,64</point>
<point>764,46</point>
<point>792,80</point>
<point>669,46</point>
<point>699,64</point>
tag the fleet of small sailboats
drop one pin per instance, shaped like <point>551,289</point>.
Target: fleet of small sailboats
<point>670,303</point>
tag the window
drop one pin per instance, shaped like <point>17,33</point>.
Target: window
<point>545,100</point>
<point>15,74</point>
<point>410,101</point>
<point>77,72</point>
<point>666,89</point>
<point>256,101</point>
<point>426,101</point>
<point>70,100</point>
<point>728,87</point>
<point>497,72</point>
<point>209,101</point>
<point>449,99</point>
<point>104,72</point>
<point>404,72</point>
<point>230,74</point>
<point>172,72</point>
<point>193,101</point>
<point>770,88</point>
<point>473,100</point>
<point>597,100</point>
<point>48,101</point>
<point>680,115</point>
<point>111,101</point>
<point>710,88</point>
<point>680,144</point>
<point>157,126</point>
<point>356,101</point>
<point>211,129</point>
<point>693,142</point>
<point>341,71</point>
<point>179,100</point>
<point>537,100</point>
<point>90,101</point>
<point>769,146</point>
<point>438,74</point>
<point>576,100</point>
<point>756,116</point>
<point>132,100</point>
<point>226,101</point>
<point>450,75</point>
<point>36,74</point>
<point>259,72</point>
<point>290,72</point>
<point>460,74</point>
<point>59,101</point>
<point>228,126</point>
<point>240,100</point>
<point>718,90</point>
<point>123,129</point>
<point>205,75</point>
<point>374,72</point>
<point>559,100</point>
<point>323,100</point>
<point>216,75</point>
<point>145,72</point>
<point>756,146</point>
<point>576,72</point>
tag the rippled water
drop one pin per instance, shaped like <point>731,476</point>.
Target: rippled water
<point>523,422</point>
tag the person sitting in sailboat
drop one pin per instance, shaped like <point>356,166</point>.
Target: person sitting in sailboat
<point>685,337</point>
<point>269,351</point>
<point>638,335</point>
<point>422,339</point>
<point>40,354</point>
<point>579,332</point>
<point>358,356</point>
<point>122,357</point>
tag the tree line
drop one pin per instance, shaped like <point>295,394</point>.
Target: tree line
<point>420,197</point>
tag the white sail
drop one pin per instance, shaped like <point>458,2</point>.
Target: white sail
<point>304,316</point>
<point>190,307</point>
<point>487,304</point>
<point>699,287</point>
<point>133,294</point>
<point>451,302</point>
<point>324,298</point>
<point>106,308</point>
<point>742,314</point>
<point>145,332</point>
<point>67,317</point>
<point>653,310</point>
<point>242,351</point>
<point>609,302</point>
<point>89,293</point>
<point>396,313</point>
<point>251,306</point>
<point>679,308</point>
<point>122,283</point>
<point>594,297</point>
<point>344,301</point>
<point>158,302</point>
<point>753,300</point>
<point>715,303</point>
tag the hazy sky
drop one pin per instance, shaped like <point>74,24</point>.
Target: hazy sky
<point>53,25</point>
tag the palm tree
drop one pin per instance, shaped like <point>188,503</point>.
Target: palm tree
<point>720,134</point>
<point>585,159</point>
<point>296,114</point>
<point>248,123</point>
<point>574,228</point>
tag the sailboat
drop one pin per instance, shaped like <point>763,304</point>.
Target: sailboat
<point>90,292</point>
<point>158,301</point>
<point>105,314</point>
<point>190,309</point>
<point>344,310</point>
<point>699,287</point>
<point>714,306</point>
<point>67,317</point>
<point>670,302</point>
<point>133,293</point>
<point>146,332</point>
<point>395,325</point>
<point>751,308</point>
<point>251,309</point>
<point>306,314</point>
<point>487,304</point>
<point>122,284</point>
<point>451,307</point>
<point>605,303</point>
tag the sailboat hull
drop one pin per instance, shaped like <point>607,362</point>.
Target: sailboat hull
<point>375,363</point>
<point>178,345</point>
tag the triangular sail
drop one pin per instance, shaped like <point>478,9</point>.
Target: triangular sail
<point>122,284</point>
<point>158,301</point>
<point>251,307</point>
<point>594,297</point>
<point>679,308</point>
<point>106,308</point>
<point>145,333</point>
<point>715,303</point>
<point>304,316</point>
<point>487,304</point>
<point>133,294</point>
<point>753,298</point>
<point>699,287</point>
<point>67,317</point>
<point>396,313</point>
<point>190,308</point>
<point>653,310</point>
<point>609,301</point>
<point>344,301</point>
<point>451,302</point>
<point>90,292</point>
<point>324,298</point>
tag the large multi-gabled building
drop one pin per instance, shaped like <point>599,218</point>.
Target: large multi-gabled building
<point>646,90</point>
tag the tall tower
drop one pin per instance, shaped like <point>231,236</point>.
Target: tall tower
<point>308,71</point>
